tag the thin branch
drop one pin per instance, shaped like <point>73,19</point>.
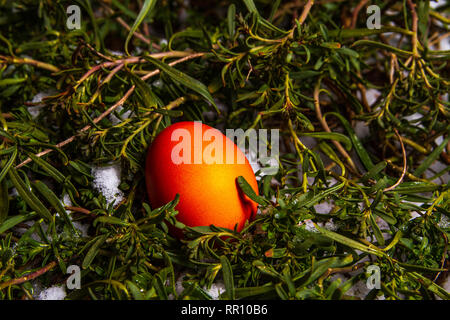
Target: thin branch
<point>159,55</point>
<point>32,62</point>
<point>28,277</point>
<point>404,164</point>
<point>78,209</point>
<point>192,56</point>
<point>137,34</point>
<point>415,20</point>
<point>7,115</point>
<point>305,11</point>
<point>72,138</point>
<point>327,128</point>
<point>303,16</point>
<point>356,11</point>
<point>108,111</point>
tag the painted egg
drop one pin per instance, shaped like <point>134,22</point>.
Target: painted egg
<point>202,165</point>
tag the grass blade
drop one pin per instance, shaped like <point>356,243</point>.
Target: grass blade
<point>53,172</point>
<point>331,136</point>
<point>430,159</point>
<point>185,80</point>
<point>8,164</point>
<point>316,199</point>
<point>362,153</point>
<point>146,8</point>
<point>4,201</point>
<point>28,196</point>
<point>383,46</point>
<point>248,190</point>
<point>348,242</point>
<point>14,220</point>
<point>376,230</point>
<point>54,202</point>
<point>228,277</point>
<point>93,251</point>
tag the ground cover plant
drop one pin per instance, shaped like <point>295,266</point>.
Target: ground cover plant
<point>364,146</point>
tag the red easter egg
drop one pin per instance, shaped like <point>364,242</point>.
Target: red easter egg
<point>202,165</point>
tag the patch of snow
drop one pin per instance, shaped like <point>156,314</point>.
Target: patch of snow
<point>359,289</point>
<point>330,225</point>
<point>157,83</point>
<point>383,225</point>
<point>107,181</point>
<point>179,284</point>
<point>82,227</point>
<point>309,142</point>
<point>125,115</point>
<point>116,53</point>
<point>445,222</point>
<point>414,215</point>
<point>438,166</point>
<point>372,96</point>
<point>66,200</point>
<point>216,290</point>
<point>439,140</point>
<point>323,207</point>
<point>53,293</point>
<point>309,226</point>
<point>446,284</point>
<point>413,117</point>
<point>435,4</point>
<point>35,110</point>
<point>361,129</point>
<point>35,236</point>
<point>14,193</point>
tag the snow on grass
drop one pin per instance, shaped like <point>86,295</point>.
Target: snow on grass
<point>82,227</point>
<point>124,115</point>
<point>361,129</point>
<point>116,53</point>
<point>309,226</point>
<point>35,110</point>
<point>216,290</point>
<point>446,284</point>
<point>107,181</point>
<point>359,289</point>
<point>444,223</point>
<point>372,96</point>
<point>323,207</point>
<point>53,293</point>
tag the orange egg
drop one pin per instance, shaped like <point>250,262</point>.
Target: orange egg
<point>200,164</point>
